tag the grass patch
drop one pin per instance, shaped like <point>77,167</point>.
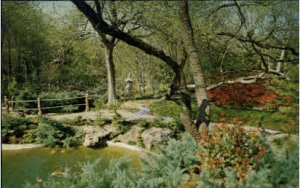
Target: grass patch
<point>287,143</point>
<point>282,121</point>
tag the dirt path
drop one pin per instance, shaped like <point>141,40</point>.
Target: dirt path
<point>128,110</point>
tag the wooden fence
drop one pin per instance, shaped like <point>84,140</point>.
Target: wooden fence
<point>9,105</point>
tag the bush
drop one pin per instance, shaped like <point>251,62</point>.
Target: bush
<point>53,133</point>
<point>159,122</point>
<point>15,126</point>
<point>231,147</point>
<point>143,123</point>
<point>282,171</point>
<point>99,121</point>
<point>29,136</point>
<point>238,94</point>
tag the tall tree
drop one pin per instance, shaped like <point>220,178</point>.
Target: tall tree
<point>195,66</point>
<point>103,27</point>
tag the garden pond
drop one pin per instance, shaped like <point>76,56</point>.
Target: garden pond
<point>34,165</point>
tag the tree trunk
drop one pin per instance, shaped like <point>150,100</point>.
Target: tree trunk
<point>186,107</point>
<point>9,59</point>
<point>110,68</point>
<point>203,117</point>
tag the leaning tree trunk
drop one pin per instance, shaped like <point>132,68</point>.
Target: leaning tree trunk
<point>203,118</point>
<point>186,107</point>
<point>110,68</point>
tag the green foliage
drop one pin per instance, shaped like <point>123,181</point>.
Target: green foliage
<point>93,175</point>
<point>288,90</point>
<point>166,168</point>
<point>159,122</point>
<point>144,123</point>
<point>53,134</point>
<point>29,136</point>
<point>12,88</point>
<point>26,92</point>
<point>17,127</point>
<point>117,119</point>
<point>283,171</point>
<point>288,143</point>
<point>114,107</point>
<point>166,109</point>
<point>99,103</point>
<point>63,95</point>
<point>175,165</point>
<point>79,121</point>
<point>276,120</point>
<point>70,109</point>
<point>100,121</point>
<point>140,141</point>
<point>123,128</point>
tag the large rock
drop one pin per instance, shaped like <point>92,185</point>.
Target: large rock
<point>97,136</point>
<point>131,136</point>
<point>154,136</point>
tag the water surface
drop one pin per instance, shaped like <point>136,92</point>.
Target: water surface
<point>29,165</point>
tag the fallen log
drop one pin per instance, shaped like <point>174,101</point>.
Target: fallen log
<point>243,80</point>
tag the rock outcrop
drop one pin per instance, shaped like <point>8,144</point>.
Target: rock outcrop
<point>97,136</point>
<point>131,136</point>
<point>154,136</point>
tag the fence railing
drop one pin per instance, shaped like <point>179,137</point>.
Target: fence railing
<point>10,105</point>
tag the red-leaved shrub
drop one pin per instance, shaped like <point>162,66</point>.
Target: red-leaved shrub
<point>239,94</point>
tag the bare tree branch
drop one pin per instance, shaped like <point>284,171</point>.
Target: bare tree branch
<point>258,43</point>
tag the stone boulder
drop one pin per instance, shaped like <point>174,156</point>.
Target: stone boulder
<point>131,136</point>
<point>154,136</point>
<point>97,136</point>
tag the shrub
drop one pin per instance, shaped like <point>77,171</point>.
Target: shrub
<point>53,133</point>
<point>168,167</point>
<point>231,147</point>
<point>123,128</point>
<point>159,122</point>
<point>29,136</point>
<point>15,126</point>
<point>282,171</point>
<point>117,119</point>
<point>99,121</point>
<point>27,92</point>
<point>143,123</point>
<point>241,94</point>
<point>100,103</point>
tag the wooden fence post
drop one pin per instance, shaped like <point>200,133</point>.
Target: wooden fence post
<point>6,104</point>
<point>39,106</point>
<point>87,106</point>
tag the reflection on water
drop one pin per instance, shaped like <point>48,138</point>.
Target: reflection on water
<point>34,165</point>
